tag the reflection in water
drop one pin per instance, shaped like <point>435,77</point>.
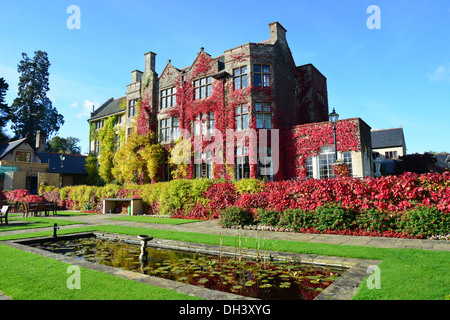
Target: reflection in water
<point>262,280</point>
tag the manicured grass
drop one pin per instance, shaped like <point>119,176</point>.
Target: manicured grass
<point>159,220</point>
<point>406,274</point>
<point>18,223</point>
<point>74,213</point>
<point>26,276</point>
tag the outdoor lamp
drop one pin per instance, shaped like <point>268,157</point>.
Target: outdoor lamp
<point>334,117</point>
<point>62,157</point>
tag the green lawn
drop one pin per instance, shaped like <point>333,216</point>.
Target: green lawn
<point>406,274</point>
<point>26,276</point>
<point>18,223</point>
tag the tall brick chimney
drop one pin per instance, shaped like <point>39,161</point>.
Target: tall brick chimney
<point>41,140</point>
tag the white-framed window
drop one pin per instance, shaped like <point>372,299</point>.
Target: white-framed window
<point>321,166</point>
<point>309,166</point>
<point>347,157</point>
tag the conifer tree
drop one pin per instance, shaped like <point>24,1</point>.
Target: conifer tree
<point>32,110</point>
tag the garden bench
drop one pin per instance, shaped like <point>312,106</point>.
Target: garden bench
<point>4,214</point>
<point>31,208</point>
<point>50,206</point>
<point>36,208</point>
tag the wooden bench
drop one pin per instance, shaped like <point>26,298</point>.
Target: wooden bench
<point>36,208</point>
<point>4,214</point>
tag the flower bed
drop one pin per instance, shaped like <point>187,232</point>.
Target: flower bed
<point>388,206</point>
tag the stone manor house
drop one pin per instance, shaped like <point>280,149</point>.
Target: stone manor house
<point>253,86</point>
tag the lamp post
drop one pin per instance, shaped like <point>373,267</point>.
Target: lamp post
<point>334,117</point>
<point>62,157</point>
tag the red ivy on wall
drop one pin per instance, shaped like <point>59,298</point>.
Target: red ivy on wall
<point>305,141</point>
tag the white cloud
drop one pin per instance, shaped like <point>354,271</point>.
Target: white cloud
<point>74,105</point>
<point>442,73</point>
<point>87,108</point>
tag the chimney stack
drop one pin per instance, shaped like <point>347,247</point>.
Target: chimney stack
<point>41,140</point>
<point>277,31</point>
<point>136,76</point>
<point>150,62</point>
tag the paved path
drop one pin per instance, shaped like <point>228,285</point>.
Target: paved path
<point>212,227</point>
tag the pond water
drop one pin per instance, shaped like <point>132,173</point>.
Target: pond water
<point>267,280</point>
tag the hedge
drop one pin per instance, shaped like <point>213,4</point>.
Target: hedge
<point>374,204</point>
<point>421,222</point>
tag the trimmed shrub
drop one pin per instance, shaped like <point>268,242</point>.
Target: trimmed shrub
<point>296,219</point>
<point>235,216</point>
<point>267,217</point>
<point>333,217</point>
<point>373,220</point>
<point>249,185</point>
<point>424,221</point>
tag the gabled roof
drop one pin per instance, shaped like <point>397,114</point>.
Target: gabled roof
<point>387,138</point>
<point>73,163</point>
<point>5,148</point>
<point>110,107</point>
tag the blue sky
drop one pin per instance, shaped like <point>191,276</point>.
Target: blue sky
<point>395,76</point>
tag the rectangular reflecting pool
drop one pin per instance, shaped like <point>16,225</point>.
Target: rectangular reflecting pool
<point>261,279</point>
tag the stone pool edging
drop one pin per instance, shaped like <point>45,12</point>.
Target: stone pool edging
<point>344,288</point>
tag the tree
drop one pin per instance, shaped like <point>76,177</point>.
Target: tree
<point>64,145</point>
<point>139,160</point>
<point>416,163</point>
<point>32,110</point>
<point>91,165</point>
<point>5,111</point>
